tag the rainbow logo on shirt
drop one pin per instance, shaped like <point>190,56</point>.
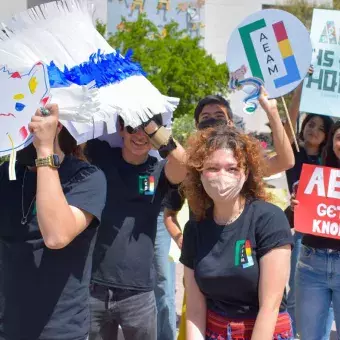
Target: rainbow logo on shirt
<point>243,254</point>
<point>146,185</point>
<point>288,58</point>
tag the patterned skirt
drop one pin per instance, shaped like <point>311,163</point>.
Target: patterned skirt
<point>221,328</point>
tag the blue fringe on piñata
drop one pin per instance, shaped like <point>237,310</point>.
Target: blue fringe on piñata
<point>104,69</point>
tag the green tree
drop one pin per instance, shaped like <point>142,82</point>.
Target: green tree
<point>174,62</point>
<point>183,127</point>
<point>101,27</point>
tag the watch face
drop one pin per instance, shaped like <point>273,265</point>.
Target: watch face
<point>56,161</point>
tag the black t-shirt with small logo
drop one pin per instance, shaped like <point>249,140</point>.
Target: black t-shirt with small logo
<point>44,293</point>
<point>226,259</point>
<point>124,252</point>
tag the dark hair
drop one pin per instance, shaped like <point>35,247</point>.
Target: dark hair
<point>328,155</point>
<point>212,99</point>
<point>68,145</point>
<point>157,118</point>
<point>327,122</point>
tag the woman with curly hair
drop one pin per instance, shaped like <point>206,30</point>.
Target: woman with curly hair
<point>237,252</point>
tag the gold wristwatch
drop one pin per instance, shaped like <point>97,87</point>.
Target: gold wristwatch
<point>51,161</point>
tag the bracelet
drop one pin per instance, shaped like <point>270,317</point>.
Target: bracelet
<point>165,150</point>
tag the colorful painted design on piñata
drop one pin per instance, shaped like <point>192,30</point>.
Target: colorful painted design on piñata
<point>24,92</point>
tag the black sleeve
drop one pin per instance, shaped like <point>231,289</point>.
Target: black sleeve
<point>173,199</point>
<point>273,232</point>
<point>164,184</point>
<point>88,192</point>
<point>188,254</point>
<point>97,150</point>
<point>3,168</point>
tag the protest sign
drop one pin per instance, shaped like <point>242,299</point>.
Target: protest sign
<point>270,47</point>
<point>321,91</point>
<point>318,211</point>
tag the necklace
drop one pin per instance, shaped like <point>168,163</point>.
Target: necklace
<point>24,216</point>
<point>233,219</point>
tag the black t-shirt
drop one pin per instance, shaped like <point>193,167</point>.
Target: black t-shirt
<point>124,252</point>
<point>293,174</point>
<point>173,199</point>
<point>320,242</point>
<point>226,260</point>
<point>44,293</point>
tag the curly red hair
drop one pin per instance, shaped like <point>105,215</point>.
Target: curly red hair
<point>247,152</point>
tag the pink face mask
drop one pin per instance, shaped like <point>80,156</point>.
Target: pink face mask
<point>223,187</point>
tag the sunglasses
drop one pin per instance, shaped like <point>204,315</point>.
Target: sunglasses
<point>132,130</point>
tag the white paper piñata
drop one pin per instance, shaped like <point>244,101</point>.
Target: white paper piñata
<point>90,81</point>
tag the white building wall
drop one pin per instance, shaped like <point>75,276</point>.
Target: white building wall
<point>10,7</point>
<point>220,18</point>
<point>99,13</point>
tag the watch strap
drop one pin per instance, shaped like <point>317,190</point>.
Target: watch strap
<point>46,161</point>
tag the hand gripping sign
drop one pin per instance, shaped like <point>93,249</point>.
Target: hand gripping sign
<point>318,211</point>
<point>270,48</point>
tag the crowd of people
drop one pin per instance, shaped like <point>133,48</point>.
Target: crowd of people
<point>86,231</point>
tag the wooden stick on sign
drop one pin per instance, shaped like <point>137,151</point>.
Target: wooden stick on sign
<point>290,124</point>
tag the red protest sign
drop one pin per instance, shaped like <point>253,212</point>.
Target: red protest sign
<point>319,195</point>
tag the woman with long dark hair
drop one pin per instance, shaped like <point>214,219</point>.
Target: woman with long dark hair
<point>317,281</point>
<point>312,139</point>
